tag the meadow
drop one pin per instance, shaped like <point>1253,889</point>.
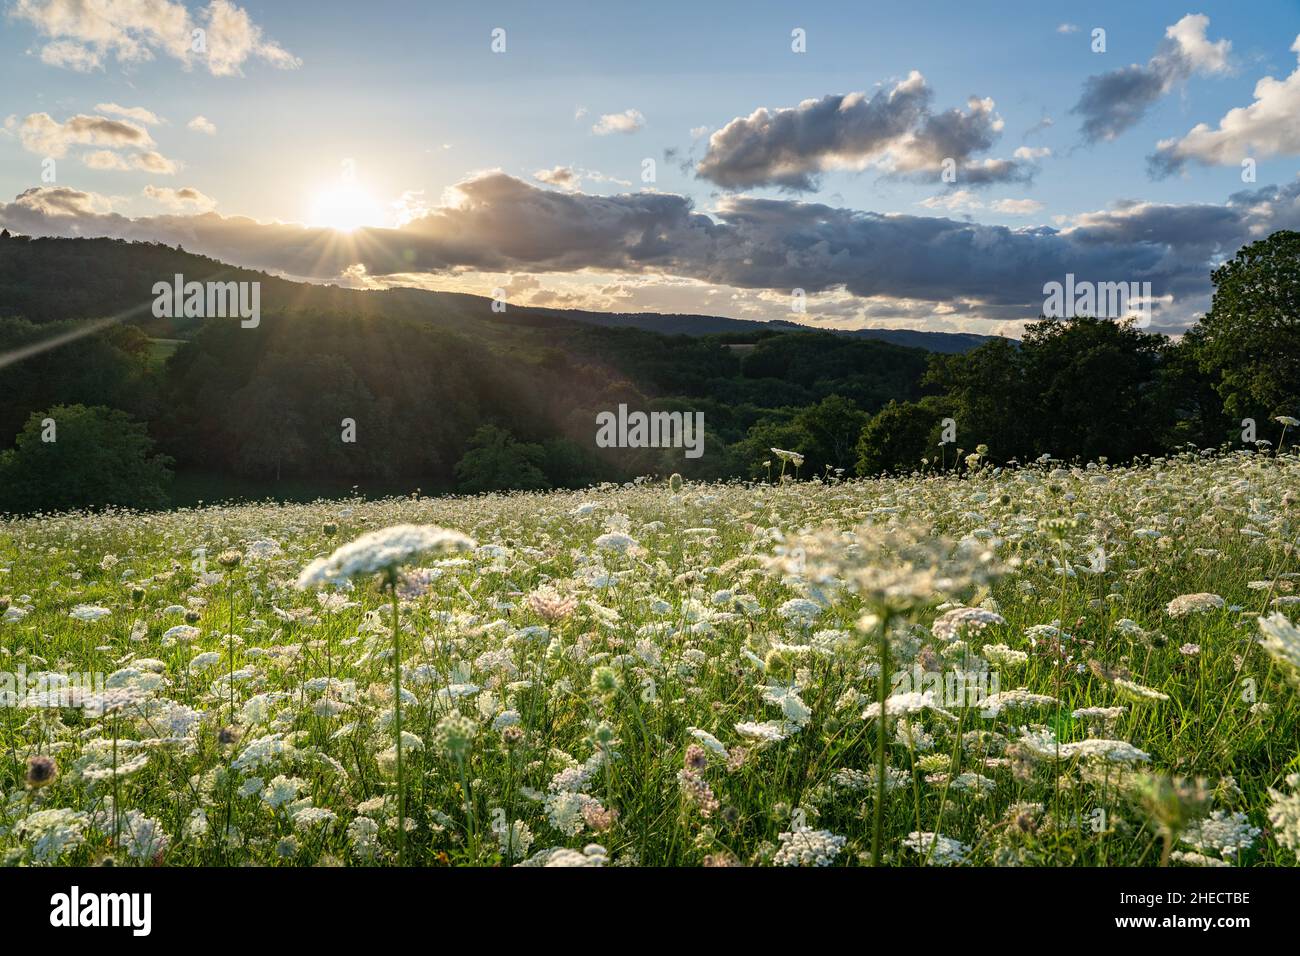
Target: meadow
<point>669,673</point>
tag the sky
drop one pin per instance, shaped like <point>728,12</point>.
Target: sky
<point>927,165</point>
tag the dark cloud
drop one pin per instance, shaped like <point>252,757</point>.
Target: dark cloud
<point>894,129</point>
<point>501,224</point>
<point>1115,101</point>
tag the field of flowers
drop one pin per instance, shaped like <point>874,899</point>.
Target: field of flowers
<point>1051,666</point>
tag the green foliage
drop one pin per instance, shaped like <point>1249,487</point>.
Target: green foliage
<point>1083,388</point>
<point>899,435</point>
<point>97,457</point>
<point>1250,338</point>
<point>826,434</point>
<point>108,368</point>
<point>497,462</point>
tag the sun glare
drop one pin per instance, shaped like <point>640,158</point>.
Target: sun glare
<point>345,207</point>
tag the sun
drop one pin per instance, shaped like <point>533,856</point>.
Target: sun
<point>345,207</point>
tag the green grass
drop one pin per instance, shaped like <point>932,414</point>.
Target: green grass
<point>160,350</point>
<point>590,689</point>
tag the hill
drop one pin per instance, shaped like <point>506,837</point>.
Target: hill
<point>113,277</point>
<point>420,373</point>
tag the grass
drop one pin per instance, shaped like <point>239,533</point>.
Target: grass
<point>637,676</point>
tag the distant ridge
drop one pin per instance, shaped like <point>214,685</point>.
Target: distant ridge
<point>110,275</point>
<point>945,342</point>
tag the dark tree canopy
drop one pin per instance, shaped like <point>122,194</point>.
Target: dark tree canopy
<point>74,456</point>
<point>1250,337</point>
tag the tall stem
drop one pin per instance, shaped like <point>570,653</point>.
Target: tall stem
<point>882,727</point>
<point>397,723</point>
<point>231,640</point>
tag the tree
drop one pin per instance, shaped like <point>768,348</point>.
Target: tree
<point>826,434</point>
<point>496,461</point>
<point>1092,387</point>
<point>74,456</point>
<point>987,396</point>
<point>1249,337</point>
<point>899,435</point>
<point>1081,388</point>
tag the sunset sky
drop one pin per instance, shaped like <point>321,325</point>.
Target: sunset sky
<point>395,147</point>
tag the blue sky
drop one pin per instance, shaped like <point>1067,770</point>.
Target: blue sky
<point>413,96</point>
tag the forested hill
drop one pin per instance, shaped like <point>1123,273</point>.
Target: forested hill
<point>421,373</point>
<point>110,276</point>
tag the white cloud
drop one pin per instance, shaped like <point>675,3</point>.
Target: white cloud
<point>137,113</point>
<point>562,176</point>
<point>201,124</point>
<point>958,200</point>
<point>149,161</point>
<point>233,37</point>
<point>1267,127</point>
<point>124,145</point>
<point>964,201</point>
<point>185,199</point>
<point>62,202</point>
<point>71,56</point>
<point>40,133</point>
<point>1199,54</point>
<point>628,121</point>
<point>1017,207</point>
<point>83,33</point>
<point>1032,153</point>
<point>1068,28</point>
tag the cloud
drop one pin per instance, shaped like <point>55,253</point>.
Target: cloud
<point>495,223</point>
<point>185,198</point>
<point>40,133</point>
<point>1032,153</point>
<point>137,113</point>
<point>572,177</point>
<point>59,202</point>
<point>201,124</point>
<point>561,176</point>
<point>1068,28</point>
<point>148,161</point>
<point>628,121</point>
<point>1017,207</point>
<point>126,146</point>
<point>963,200</point>
<point>1267,127</point>
<point>893,129</point>
<point>84,33</point>
<point>1113,102</point>
<point>233,38</point>
<point>71,56</point>
<point>955,200</point>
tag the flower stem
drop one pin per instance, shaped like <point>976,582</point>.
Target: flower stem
<point>397,723</point>
<point>881,732</point>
